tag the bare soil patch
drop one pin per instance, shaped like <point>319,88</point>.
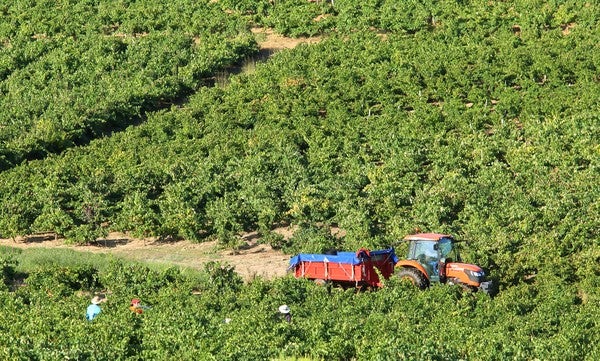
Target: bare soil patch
<point>250,261</point>
<point>268,40</point>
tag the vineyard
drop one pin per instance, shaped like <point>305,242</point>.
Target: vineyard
<point>479,119</point>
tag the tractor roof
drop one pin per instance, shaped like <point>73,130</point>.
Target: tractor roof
<point>426,237</point>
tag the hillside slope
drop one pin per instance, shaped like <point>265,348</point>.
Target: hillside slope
<point>478,119</point>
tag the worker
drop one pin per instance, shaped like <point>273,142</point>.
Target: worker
<point>136,306</point>
<point>284,310</point>
<point>93,310</point>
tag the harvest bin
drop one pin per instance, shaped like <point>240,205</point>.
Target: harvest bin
<point>346,268</point>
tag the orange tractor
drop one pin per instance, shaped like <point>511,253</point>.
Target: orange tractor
<point>430,259</point>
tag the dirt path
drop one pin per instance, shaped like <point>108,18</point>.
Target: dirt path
<point>252,260</point>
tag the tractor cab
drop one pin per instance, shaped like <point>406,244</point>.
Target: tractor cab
<point>432,251</point>
<point>433,257</point>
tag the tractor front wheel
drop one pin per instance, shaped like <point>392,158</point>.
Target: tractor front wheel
<point>414,276</point>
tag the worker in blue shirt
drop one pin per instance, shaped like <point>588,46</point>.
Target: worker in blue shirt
<point>94,309</point>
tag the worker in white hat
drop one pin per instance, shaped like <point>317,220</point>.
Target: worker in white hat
<point>285,312</point>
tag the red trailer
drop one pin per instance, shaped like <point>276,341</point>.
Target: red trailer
<point>356,269</point>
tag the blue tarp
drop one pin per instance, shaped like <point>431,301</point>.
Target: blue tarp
<point>386,252</point>
<point>340,257</point>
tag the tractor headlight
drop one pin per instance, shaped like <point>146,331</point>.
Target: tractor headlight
<point>476,276</point>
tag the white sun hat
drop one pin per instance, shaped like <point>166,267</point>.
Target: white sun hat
<point>284,309</point>
<point>97,300</point>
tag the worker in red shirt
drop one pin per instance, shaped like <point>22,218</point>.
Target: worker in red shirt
<point>136,306</point>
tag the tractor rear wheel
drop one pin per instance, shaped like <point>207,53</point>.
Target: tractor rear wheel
<point>414,276</point>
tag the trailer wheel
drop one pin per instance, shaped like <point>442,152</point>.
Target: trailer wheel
<point>414,276</point>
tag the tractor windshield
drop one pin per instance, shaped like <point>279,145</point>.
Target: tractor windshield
<point>445,247</point>
<point>423,251</point>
